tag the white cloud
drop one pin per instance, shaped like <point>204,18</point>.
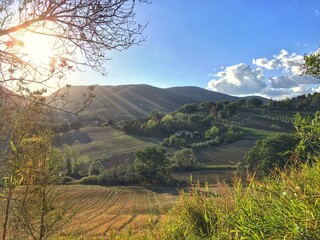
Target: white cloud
<point>238,80</point>
<point>265,63</point>
<point>278,77</point>
<point>283,53</point>
<point>317,12</point>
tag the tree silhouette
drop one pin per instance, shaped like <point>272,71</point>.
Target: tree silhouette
<point>81,33</point>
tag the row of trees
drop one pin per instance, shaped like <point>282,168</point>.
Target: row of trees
<point>153,165</point>
<point>304,102</point>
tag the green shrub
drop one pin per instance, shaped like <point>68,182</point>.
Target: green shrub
<point>65,180</point>
<point>91,180</point>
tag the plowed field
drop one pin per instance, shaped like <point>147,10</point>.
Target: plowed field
<point>100,210</point>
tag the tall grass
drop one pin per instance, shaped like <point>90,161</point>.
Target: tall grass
<point>286,206</point>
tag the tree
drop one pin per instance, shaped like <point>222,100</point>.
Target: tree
<point>96,168</point>
<point>242,102</point>
<point>185,158</point>
<point>76,165</point>
<point>232,108</point>
<point>32,210</point>
<point>271,152</point>
<point>222,114</point>
<point>255,102</point>
<point>152,165</point>
<point>308,136</point>
<point>212,133</point>
<point>206,106</point>
<point>188,108</point>
<point>312,64</point>
<point>80,32</point>
<point>195,121</point>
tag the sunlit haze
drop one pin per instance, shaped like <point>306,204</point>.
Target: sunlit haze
<point>38,47</point>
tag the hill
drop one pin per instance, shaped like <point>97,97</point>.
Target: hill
<point>132,101</point>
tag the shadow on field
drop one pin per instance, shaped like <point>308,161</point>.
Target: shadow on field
<point>71,137</point>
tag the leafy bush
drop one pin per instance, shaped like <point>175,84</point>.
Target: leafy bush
<point>271,152</point>
<point>203,144</point>
<point>122,174</point>
<point>96,168</point>
<point>91,180</point>
<point>65,180</point>
<point>184,159</point>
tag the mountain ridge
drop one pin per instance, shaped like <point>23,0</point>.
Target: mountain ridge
<point>138,100</point>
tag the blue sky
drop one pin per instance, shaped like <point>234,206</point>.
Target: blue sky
<point>236,47</point>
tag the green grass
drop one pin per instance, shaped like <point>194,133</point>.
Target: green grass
<point>110,143</point>
<point>253,132</point>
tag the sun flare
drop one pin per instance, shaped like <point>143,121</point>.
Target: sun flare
<point>38,47</point>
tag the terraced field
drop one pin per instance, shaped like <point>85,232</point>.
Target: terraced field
<point>101,210</point>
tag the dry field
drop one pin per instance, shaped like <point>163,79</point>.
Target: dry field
<point>230,154</point>
<point>101,210</point>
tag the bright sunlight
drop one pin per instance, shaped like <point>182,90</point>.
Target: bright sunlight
<point>38,47</point>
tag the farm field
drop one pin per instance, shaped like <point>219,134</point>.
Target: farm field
<point>230,154</point>
<point>111,144</point>
<point>104,210</point>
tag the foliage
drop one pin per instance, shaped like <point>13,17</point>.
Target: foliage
<point>277,208</point>
<point>212,133</point>
<point>120,174</point>
<point>123,174</point>
<point>90,27</point>
<point>233,134</point>
<point>255,102</point>
<point>76,165</point>
<point>152,165</point>
<point>312,64</point>
<point>271,152</point>
<point>33,169</point>
<point>185,159</point>
<point>188,108</point>
<point>81,32</point>
<point>310,102</point>
<point>205,144</point>
<point>194,217</point>
<point>286,149</point>
<point>308,133</point>
<point>96,168</point>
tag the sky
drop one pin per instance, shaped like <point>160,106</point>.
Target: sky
<point>237,47</point>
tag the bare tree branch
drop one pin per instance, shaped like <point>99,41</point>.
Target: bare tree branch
<point>81,31</point>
